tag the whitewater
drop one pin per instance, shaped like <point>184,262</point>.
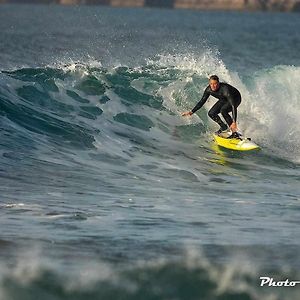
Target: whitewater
<point>108,193</point>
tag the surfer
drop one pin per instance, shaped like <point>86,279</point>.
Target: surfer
<point>229,99</point>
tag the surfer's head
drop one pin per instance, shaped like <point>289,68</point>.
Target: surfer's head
<point>214,82</point>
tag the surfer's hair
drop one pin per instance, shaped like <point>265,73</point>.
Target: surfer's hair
<point>214,77</point>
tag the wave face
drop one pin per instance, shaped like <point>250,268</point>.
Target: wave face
<point>78,105</point>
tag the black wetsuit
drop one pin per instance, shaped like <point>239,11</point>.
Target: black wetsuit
<point>229,99</point>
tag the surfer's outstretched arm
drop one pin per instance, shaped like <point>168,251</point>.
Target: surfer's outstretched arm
<point>202,101</point>
<point>199,104</point>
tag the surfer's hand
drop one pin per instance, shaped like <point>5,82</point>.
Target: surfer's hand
<point>233,127</point>
<point>187,113</point>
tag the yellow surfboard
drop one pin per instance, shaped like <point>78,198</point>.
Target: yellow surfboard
<point>239,144</point>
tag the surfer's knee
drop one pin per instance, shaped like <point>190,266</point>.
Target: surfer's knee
<point>224,111</point>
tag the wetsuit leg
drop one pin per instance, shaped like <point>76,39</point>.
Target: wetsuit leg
<point>214,111</point>
<point>226,108</point>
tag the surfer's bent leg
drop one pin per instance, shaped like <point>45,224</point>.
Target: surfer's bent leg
<point>213,114</point>
<point>226,109</point>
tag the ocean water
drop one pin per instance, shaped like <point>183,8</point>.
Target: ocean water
<point>108,193</point>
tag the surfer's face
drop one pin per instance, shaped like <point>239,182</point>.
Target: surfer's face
<point>214,85</point>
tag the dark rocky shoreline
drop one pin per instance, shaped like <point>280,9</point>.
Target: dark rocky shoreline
<point>234,5</point>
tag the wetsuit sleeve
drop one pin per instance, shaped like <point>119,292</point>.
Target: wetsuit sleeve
<point>202,101</point>
<point>234,109</point>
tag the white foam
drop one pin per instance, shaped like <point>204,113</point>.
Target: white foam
<point>205,64</point>
<point>272,110</point>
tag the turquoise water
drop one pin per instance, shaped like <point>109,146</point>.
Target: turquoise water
<point>107,192</point>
